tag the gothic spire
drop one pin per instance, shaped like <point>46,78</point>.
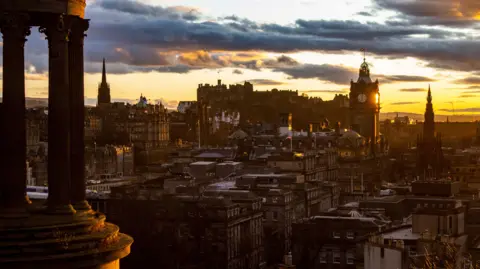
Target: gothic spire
<point>429,124</point>
<point>103,87</point>
<point>429,96</point>
<point>104,72</point>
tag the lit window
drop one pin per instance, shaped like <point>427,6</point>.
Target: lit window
<point>323,257</point>
<point>336,235</point>
<point>336,257</point>
<point>350,235</point>
<point>350,258</point>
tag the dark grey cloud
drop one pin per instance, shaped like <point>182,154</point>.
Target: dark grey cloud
<point>325,72</point>
<point>433,12</point>
<point>406,78</point>
<point>145,38</point>
<point>138,8</point>
<point>413,90</point>
<point>329,36</point>
<point>237,72</point>
<point>403,103</point>
<point>265,82</point>
<point>468,109</point>
<point>365,14</point>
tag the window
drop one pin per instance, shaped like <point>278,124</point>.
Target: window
<point>336,257</point>
<point>336,235</point>
<point>350,235</point>
<point>323,257</point>
<point>275,215</point>
<point>350,258</point>
<point>382,253</point>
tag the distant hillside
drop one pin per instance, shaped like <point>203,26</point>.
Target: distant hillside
<point>438,117</point>
<point>32,102</point>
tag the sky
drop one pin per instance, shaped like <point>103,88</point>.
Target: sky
<point>164,48</point>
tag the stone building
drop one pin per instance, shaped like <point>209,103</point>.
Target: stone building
<point>332,240</point>
<point>435,239</point>
<point>142,124</point>
<point>279,212</point>
<point>64,232</point>
<point>189,230</point>
<point>114,161</point>
<point>365,106</point>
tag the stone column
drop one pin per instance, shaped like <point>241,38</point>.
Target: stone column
<point>14,28</point>
<point>77,114</point>
<point>57,30</point>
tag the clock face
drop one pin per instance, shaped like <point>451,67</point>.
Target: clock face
<point>362,98</point>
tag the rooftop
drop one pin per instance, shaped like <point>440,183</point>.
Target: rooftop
<point>202,163</point>
<point>404,233</point>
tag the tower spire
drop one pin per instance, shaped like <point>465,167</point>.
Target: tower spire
<point>104,72</point>
<point>429,96</point>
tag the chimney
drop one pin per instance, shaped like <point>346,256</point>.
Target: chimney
<point>219,82</point>
<point>337,128</point>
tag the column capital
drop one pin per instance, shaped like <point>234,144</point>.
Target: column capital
<point>78,29</point>
<point>16,26</point>
<point>56,30</point>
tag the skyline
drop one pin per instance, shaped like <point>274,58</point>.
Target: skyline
<point>164,50</point>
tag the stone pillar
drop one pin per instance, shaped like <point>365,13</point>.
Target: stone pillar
<point>77,114</point>
<point>57,30</point>
<point>14,28</point>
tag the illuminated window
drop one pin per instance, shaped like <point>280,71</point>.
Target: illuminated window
<point>323,257</point>
<point>350,235</point>
<point>336,257</point>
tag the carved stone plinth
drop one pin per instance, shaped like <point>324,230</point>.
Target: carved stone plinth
<point>42,241</point>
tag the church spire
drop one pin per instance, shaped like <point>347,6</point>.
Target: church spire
<point>104,72</point>
<point>103,89</point>
<point>429,96</point>
<point>429,124</point>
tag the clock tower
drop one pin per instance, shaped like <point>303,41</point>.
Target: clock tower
<point>365,105</point>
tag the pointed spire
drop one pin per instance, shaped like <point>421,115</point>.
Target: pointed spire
<point>429,96</point>
<point>104,72</point>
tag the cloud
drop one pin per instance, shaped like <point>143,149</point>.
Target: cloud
<point>326,91</point>
<point>138,37</point>
<point>35,77</point>
<point>365,14</point>
<point>138,8</point>
<point>265,82</point>
<point>413,90</point>
<point>469,80</point>
<point>403,103</point>
<point>468,109</point>
<point>434,12</point>
<point>169,104</point>
<point>236,34</point>
<point>237,72</point>
<point>406,78</point>
<point>467,95</point>
<point>326,72</point>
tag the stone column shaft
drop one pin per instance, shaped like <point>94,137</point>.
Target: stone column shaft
<point>57,31</point>
<point>14,28</point>
<point>77,114</point>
